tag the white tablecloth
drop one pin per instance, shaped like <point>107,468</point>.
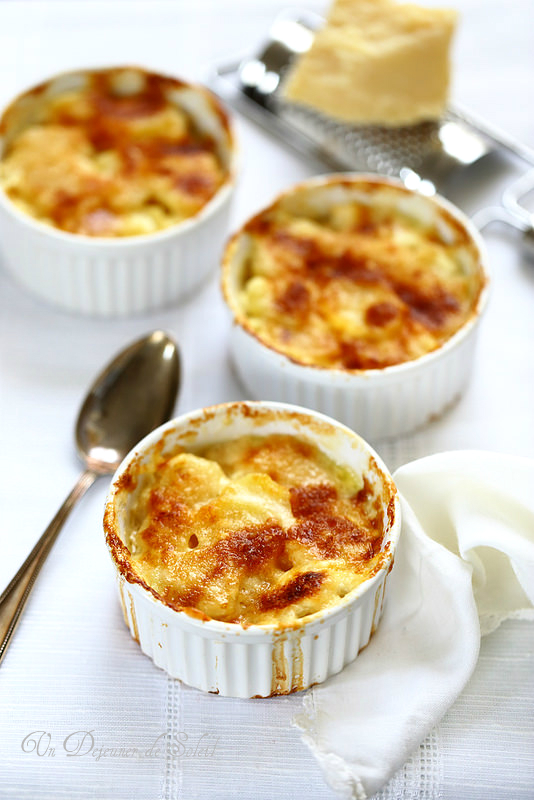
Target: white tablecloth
<point>72,674</point>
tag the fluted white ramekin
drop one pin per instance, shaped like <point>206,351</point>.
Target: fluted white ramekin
<point>259,660</point>
<point>378,403</point>
<point>117,277</point>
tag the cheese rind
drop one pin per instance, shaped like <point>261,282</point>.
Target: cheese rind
<point>377,63</point>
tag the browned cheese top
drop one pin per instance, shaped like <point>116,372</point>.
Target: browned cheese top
<point>357,284</point>
<point>259,530</point>
<point>117,157</point>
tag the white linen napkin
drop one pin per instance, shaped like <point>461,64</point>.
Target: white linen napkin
<point>465,562</point>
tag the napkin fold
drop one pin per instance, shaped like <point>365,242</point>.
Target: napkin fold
<point>464,563</point>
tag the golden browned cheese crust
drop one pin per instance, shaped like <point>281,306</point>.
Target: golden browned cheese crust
<point>260,530</point>
<point>356,285</point>
<point>114,158</point>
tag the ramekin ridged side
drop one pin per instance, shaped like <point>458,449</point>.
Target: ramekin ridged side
<point>377,403</point>
<point>117,277</point>
<point>251,663</point>
<point>390,403</point>
<point>255,661</point>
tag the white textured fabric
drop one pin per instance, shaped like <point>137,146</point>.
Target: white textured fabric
<point>466,550</point>
<point>481,507</point>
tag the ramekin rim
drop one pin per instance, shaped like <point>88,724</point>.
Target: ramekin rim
<point>391,535</point>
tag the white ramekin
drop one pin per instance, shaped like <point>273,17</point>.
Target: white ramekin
<point>378,403</point>
<point>116,277</point>
<point>259,660</point>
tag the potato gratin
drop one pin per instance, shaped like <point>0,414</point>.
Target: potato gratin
<point>258,530</point>
<point>119,156</point>
<point>356,275</point>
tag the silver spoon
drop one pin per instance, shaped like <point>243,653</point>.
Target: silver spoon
<point>134,394</point>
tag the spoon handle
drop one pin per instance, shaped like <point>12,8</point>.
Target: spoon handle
<point>14,597</point>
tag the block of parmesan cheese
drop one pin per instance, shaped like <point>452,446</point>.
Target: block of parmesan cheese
<point>377,62</point>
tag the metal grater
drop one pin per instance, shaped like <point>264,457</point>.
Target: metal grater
<point>424,156</point>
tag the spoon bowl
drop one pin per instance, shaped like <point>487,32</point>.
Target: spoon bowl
<point>134,394</point>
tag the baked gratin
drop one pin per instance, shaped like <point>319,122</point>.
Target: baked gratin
<point>252,544</point>
<point>258,530</point>
<point>113,153</point>
<point>353,274</point>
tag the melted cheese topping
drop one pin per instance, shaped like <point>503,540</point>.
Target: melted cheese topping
<point>115,158</point>
<point>259,530</point>
<point>357,284</point>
